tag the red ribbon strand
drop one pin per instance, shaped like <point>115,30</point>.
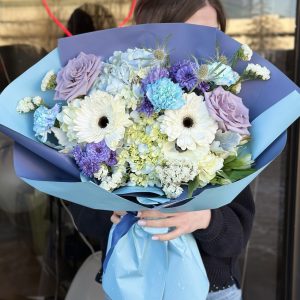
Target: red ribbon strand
<point>68,33</point>
<point>56,21</point>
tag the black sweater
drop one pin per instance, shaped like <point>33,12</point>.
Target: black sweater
<point>224,240</point>
<point>220,244</point>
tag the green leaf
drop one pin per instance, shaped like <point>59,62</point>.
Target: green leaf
<point>192,186</point>
<point>236,175</point>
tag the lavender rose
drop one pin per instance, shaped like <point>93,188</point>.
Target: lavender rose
<point>228,110</point>
<point>77,77</point>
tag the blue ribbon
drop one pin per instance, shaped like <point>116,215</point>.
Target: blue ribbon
<point>120,230</point>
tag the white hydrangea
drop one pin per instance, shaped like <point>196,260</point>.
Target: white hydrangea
<point>246,53</point>
<point>174,174</point>
<point>49,81</point>
<point>259,71</point>
<point>129,97</point>
<point>116,180</point>
<point>25,105</point>
<point>102,173</point>
<point>172,191</point>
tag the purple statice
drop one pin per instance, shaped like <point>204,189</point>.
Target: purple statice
<point>146,108</point>
<point>90,158</point>
<point>184,74</point>
<point>155,74</point>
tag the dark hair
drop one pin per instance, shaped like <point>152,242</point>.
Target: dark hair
<point>80,22</point>
<point>175,11</point>
<point>90,17</point>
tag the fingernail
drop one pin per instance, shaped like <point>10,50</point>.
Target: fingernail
<point>155,238</point>
<point>141,223</point>
<point>139,214</point>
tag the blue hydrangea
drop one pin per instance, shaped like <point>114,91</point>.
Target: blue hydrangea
<point>43,120</point>
<point>114,78</point>
<point>120,68</point>
<point>165,94</point>
<point>137,58</point>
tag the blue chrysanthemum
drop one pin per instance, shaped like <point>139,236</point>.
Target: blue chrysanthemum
<point>43,120</point>
<point>90,158</point>
<point>179,65</point>
<point>183,72</point>
<point>186,78</point>
<point>87,165</point>
<point>155,74</point>
<point>165,94</point>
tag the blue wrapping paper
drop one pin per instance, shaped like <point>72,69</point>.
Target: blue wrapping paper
<point>57,175</point>
<point>143,269</point>
<point>139,268</point>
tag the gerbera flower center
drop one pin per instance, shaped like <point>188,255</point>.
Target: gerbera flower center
<point>103,122</point>
<point>188,122</point>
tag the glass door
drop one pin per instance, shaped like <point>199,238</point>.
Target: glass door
<point>268,26</point>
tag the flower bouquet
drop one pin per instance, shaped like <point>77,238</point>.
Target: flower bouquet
<point>139,124</point>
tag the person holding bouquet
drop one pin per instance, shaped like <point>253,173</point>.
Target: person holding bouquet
<point>221,234</point>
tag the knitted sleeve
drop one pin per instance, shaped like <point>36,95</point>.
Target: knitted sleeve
<point>230,227</point>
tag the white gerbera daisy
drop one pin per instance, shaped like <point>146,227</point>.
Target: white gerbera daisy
<point>100,117</point>
<point>172,152</point>
<point>66,118</point>
<point>191,125</point>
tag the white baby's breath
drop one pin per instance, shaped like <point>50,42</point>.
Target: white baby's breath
<point>37,101</point>
<point>246,52</point>
<point>259,71</point>
<point>49,81</point>
<point>25,105</point>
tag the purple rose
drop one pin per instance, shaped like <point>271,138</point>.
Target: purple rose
<point>77,77</point>
<point>228,110</point>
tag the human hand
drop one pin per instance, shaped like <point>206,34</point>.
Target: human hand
<point>183,222</point>
<point>116,216</point>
